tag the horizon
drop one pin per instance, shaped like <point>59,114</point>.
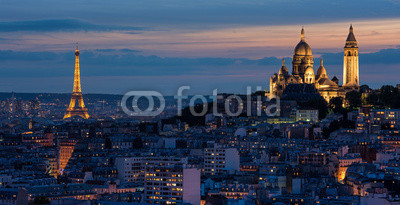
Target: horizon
<point>210,94</point>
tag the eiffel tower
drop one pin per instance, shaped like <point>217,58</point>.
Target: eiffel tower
<point>79,108</point>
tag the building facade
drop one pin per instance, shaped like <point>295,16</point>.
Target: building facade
<point>132,169</point>
<point>66,148</point>
<point>308,115</point>
<point>173,184</point>
<point>219,160</point>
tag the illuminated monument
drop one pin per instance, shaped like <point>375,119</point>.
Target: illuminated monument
<point>77,109</point>
<point>303,71</point>
<point>350,62</point>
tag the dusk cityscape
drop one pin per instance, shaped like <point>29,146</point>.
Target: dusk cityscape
<point>218,102</point>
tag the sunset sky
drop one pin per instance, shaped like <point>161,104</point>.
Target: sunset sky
<point>163,44</point>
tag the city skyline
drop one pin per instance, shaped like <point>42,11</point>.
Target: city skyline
<point>200,102</point>
<point>229,53</point>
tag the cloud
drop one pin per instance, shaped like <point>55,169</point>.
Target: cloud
<point>384,56</point>
<point>127,50</point>
<point>9,55</point>
<point>120,62</point>
<point>205,13</point>
<point>61,25</point>
<point>105,50</point>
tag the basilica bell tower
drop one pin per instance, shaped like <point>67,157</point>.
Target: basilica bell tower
<point>350,63</point>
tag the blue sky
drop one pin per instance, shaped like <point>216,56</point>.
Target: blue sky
<point>161,45</point>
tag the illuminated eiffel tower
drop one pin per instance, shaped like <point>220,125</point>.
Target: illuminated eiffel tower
<point>77,108</point>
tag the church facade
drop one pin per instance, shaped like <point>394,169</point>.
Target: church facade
<point>303,71</point>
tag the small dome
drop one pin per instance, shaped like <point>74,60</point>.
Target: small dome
<point>309,71</point>
<point>302,48</point>
<point>321,71</point>
<point>283,70</point>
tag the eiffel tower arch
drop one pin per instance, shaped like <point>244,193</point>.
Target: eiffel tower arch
<point>77,109</point>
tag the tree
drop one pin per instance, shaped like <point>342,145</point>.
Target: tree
<point>389,96</point>
<point>326,131</point>
<point>258,93</point>
<point>137,143</point>
<point>354,99</point>
<point>372,99</point>
<point>92,132</point>
<point>336,105</point>
<point>191,119</point>
<point>108,143</point>
<point>41,200</point>
<point>181,144</point>
<point>276,133</point>
<point>320,104</point>
<point>364,89</point>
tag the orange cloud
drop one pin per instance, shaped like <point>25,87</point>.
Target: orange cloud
<point>240,42</point>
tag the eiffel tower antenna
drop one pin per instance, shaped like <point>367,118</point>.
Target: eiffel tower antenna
<point>77,109</point>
